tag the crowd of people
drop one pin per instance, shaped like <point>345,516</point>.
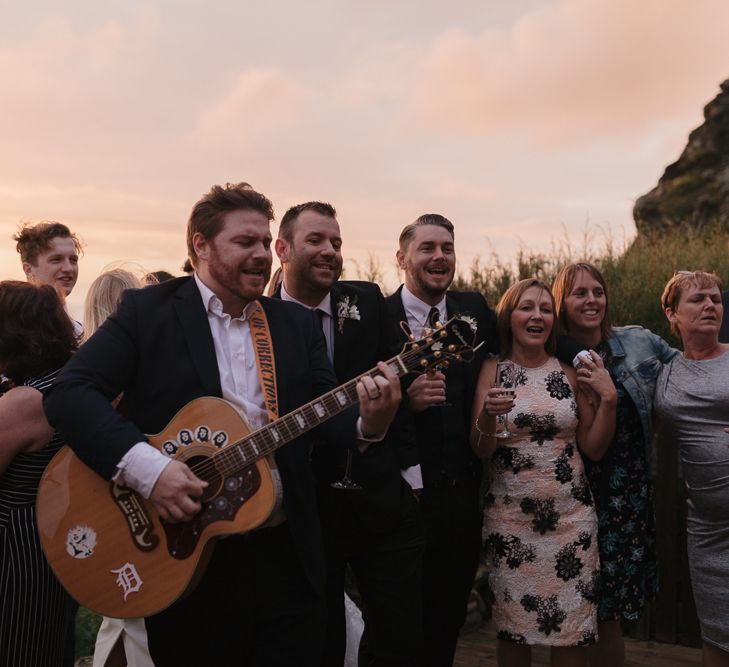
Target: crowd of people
<point>536,456</point>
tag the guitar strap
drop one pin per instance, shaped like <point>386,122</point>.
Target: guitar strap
<point>265,361</point>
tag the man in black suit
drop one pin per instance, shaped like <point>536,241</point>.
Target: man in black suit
<point>724,331</point>
<point>261,600</point>
<point>376,528</point>
<point>441,410</point>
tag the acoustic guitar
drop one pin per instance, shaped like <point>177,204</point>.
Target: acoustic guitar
<point>108,546</point>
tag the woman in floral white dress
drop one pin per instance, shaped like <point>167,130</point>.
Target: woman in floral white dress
<point>540,526</point>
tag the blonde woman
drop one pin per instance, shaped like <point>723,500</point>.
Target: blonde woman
<point>104,295</point>
<point>120,641</point>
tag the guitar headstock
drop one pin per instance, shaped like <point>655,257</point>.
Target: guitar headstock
<point>437,347</point>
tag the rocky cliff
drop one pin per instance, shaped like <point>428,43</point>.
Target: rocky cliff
<point>694,190</point>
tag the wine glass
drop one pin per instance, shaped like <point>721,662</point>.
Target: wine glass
<point>506,381</point>
<point>347,483</point>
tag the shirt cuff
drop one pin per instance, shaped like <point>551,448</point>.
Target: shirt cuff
<point>413,476</point>
<point>362,442</point>
<point>140,468</point>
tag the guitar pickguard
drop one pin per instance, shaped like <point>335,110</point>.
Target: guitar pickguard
<point>235,490</point>
<point>140,525</point>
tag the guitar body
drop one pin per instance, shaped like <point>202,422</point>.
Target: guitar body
<point>108,546</point>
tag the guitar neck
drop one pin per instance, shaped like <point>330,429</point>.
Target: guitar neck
<point>283,430</point>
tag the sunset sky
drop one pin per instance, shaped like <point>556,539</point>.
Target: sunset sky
<point>520,121</point>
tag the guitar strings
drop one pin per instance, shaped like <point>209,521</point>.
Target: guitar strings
<point>212,464</point>
<point>224,462</point>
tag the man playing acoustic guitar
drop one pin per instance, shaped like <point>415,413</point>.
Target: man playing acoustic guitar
<point>260,600</point>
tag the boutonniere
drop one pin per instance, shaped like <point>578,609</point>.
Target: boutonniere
<point>470,321</point>
<point>346,310</point>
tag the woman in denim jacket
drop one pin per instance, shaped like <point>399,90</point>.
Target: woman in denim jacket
<point>621,481</point>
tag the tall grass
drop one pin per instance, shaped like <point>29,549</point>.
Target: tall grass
<point>636,272</point>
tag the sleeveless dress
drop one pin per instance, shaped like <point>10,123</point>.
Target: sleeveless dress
<point>623,493</point>
<point>35,611</point>
<point>692,402</point>
<point>540,527</point>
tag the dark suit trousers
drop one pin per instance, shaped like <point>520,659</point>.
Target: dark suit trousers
<point>387,567</point>
<point>253,607</point>
<point>453,543</point>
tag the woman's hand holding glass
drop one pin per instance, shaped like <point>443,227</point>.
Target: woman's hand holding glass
<point>594,379</point>
<point>499,399</point>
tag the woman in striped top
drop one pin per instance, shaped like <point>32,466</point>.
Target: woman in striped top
<point>36,340</point>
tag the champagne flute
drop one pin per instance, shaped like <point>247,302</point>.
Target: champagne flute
<point>347,483</point>
<point>506,381</point>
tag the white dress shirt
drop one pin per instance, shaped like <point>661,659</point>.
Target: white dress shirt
<point>417,311</point>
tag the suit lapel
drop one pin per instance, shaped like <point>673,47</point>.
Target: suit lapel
<point>340,340</point>
<point>397,311</point>
<point>452,307</point>
<point>194,323</point>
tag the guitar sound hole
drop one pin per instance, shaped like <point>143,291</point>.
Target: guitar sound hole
<point>208,473</point>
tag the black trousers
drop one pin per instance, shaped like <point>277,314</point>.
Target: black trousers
<point>253,607</point>
<point>453,542</point>
<point>387,566</point>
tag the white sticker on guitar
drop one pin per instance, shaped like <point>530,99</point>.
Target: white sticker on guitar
<point>80,542</point>
<point>128,579</point>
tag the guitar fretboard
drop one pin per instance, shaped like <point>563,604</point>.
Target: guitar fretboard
<point>268,439</point>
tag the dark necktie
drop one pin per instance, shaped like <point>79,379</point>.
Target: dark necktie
<point>321,315</point>
<point>433,317</point>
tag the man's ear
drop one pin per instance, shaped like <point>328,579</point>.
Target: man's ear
<point>28,270</point>
<point>400,257</point>
<point>201,246</point>
<point>282,249</point>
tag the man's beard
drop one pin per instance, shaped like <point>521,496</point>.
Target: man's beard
<point>229,277</point>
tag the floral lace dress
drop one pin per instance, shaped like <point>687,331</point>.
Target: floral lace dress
<point>540,527</point>
<point>622,489</point>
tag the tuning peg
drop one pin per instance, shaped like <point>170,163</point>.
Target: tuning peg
<point>445,363</point>
<point>411,338</point>
<point>437,355</point>
<point>427,331</point>
<point>424,363</point>
<point>451,348</point>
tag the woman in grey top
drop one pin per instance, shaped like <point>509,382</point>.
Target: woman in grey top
<point>692,401</point>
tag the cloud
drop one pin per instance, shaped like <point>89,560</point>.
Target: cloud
<point>262,100</point>
<point>575,71</point>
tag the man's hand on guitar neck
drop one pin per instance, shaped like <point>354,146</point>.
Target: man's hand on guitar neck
<point>175,493</point>
<point>379,398</point>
